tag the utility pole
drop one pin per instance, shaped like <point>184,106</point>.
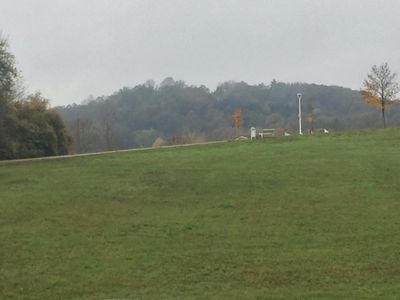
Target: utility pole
<point>299,96</point>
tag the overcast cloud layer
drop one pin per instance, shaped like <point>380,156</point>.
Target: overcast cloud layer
<point>69,49</point>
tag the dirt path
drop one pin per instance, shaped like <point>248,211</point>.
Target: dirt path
<point>7,162</point>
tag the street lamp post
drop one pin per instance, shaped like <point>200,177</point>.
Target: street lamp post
<point>299,96</point>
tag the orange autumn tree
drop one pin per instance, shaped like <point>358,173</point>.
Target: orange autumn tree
<point>381,89</point>
<point>237,119</point>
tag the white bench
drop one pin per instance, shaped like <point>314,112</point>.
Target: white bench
<point>267,133</point>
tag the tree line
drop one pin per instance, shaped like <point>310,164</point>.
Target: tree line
<point>28,127</point>
<point>173,112</point>
<point>178,113</point>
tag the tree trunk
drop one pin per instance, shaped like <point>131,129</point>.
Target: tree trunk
<point>383,115</point>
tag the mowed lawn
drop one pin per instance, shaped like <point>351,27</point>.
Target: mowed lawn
<point>298,218</point>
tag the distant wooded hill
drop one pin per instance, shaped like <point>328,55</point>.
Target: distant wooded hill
<point>178,113</point>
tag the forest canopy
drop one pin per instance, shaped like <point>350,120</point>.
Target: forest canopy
<point>177,113</point>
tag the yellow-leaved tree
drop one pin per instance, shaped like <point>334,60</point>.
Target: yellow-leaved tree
<point>380,89</point>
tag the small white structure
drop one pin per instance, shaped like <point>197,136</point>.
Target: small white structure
<point>326,131</point>
<point>253,133</point>
<point>267,133</point>
<point>287,134</point>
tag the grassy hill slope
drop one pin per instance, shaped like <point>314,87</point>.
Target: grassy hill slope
<point>286,218</point>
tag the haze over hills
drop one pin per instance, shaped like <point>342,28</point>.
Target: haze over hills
<point>77,48</point>
<point>177,113</point>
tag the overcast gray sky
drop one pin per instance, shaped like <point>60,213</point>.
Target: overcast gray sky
<point>70,49</point>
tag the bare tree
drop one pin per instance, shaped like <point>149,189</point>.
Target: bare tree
<point>381,89</point>
<point>310,116</point>
<point>108,119</point>
<point>84,132</point>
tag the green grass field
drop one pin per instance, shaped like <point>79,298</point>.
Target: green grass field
<point>299,218</point>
